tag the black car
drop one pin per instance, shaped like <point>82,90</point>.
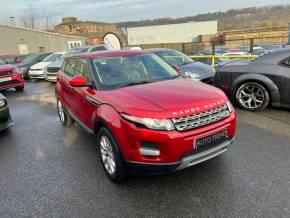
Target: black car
<point>194,69</point>
<point>5,118</point>
<point>30,61</point>
<point>256,83</point>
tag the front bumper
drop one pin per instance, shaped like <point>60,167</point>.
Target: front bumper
<point>51,77</point>
<point>176,149</point>
<point>16,80</point>
<point>152,168</point>
<point>5,119</point>
<point>36,74</point>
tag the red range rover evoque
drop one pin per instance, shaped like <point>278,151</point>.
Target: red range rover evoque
<point>145,116</point>
<point>10,77</point>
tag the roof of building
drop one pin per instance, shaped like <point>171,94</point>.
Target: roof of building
<point>80,21</point>
<point>39,31</point>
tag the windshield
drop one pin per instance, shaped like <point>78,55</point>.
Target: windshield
<point>52,58</point>
<point>1,62</point>
<point>174,57</point>
<point>9,60</point>
<point>31,58</point>
<point>114,72</point>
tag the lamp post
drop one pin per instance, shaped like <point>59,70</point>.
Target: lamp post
<point>12,19</point>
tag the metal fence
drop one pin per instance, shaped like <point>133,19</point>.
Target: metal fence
<point>213,47</point>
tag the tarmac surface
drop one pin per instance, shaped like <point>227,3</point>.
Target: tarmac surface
<point>47,170</point>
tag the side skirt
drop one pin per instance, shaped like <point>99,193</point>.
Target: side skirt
<point>80,122</point>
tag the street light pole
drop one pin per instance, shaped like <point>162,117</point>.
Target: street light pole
<point>12,21</point>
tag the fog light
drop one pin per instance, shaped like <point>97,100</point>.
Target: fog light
<point>149,149</point>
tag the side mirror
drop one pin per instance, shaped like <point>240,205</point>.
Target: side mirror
<point>79,81</point>
<point>176,68</point>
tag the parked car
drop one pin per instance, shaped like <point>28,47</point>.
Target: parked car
<point>5,117</point>
<point>145,116</point>
<point>256,83</point>
<point>96,48</point>
<point>51,71</point>
<point>10,77</point>
<point>183,63</point>
<point>37,70</point>
<point>12,58</point>
<point>29,61</point>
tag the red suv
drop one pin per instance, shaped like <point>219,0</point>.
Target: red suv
<point>10,77</point>
<point>145,116</point>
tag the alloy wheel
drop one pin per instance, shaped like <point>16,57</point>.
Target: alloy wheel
<point>107,155</point>
<point>251,96</point>
<point>60,111</point>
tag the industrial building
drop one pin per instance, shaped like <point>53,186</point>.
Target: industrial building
<point>172,33</point>
<point>93,31</point>
<point>15,40</point>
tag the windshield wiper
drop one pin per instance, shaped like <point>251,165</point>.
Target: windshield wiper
<point>134,83</point>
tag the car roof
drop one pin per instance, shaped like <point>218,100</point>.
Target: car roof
<point>159,49</point>
<point>109,53</point>
<point>8,55</point>
<point>273,57</point>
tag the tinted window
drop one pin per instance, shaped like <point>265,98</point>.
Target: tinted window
<point>173,57</point>
<point>99,48</point>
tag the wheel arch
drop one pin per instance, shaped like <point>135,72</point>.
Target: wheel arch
<point>269,85</point>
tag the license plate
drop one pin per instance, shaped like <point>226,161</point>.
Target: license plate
<point>51,77</point>
<point>210,141</point>
<point>5,79</point>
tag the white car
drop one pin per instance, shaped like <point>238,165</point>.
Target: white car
<point>37,70</point>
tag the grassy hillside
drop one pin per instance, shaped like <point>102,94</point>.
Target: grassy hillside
<point>270,16</point>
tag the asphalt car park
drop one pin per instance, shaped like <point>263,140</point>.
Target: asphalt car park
<point>49,171</point>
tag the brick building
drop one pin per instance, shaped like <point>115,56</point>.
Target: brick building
<point>93,31</point>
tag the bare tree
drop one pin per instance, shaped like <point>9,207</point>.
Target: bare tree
<point>47,19</point>
<point>30,18</point>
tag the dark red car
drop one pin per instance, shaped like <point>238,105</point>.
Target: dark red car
<point>10,77</point>
<point>145,116</point>
<point>12,58</point>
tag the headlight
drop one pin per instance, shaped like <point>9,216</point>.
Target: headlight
<point>158,124</point>
<point>193,76</point>
<point>2,103</point>
<point>230,106</point>
<point>22,69</point>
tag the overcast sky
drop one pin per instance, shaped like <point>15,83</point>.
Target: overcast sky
<point>125,10</point>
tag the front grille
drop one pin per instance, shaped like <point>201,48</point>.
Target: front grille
<point>7,83</point>
<point>6,73</point>
<point>201,119</point>
<point>52,69</point>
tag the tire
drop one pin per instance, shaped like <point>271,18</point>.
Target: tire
<point>64,117</point>
<point>19,89</point>
<point>110,156</point>
<point>252,96</point>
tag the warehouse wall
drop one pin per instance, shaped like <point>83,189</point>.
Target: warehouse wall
<point>172,33</point>
<point>19,40</point>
